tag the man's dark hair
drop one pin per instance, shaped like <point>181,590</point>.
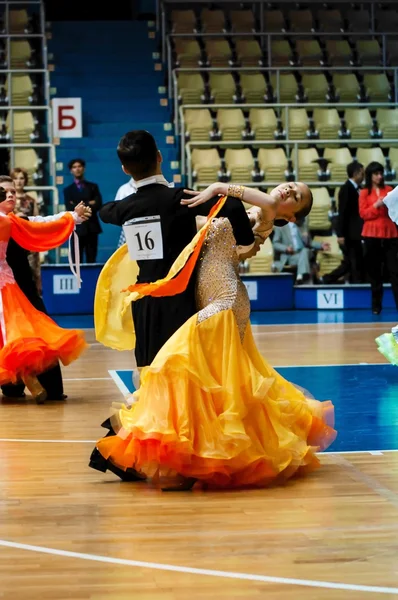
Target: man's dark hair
<point>138,153</point>
<point>76,160</point>
<point>353,168</point>
<point>6,179</point>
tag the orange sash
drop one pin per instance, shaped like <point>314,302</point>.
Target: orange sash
<point>178,277</point>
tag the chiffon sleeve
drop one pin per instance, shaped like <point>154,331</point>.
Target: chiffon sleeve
<point>39,237</point>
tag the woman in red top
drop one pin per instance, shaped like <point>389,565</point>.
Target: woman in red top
<point>380,234</point>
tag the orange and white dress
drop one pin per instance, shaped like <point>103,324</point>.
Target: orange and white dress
<point>31,342</point>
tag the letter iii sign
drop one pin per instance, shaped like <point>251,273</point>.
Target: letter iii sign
<point>67,117</point>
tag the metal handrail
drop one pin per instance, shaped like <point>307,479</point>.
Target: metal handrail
<point>268,183</point>
<point>288,143</point>
<point>247,106</point>
<point>278,70</point>
<point>181,134</point>
<point>257,4</point>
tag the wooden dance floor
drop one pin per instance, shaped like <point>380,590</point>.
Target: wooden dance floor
<point>68,532</point>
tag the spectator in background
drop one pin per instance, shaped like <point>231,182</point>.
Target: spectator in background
<point>125,190</point>
<point>349,229</point>
<point>292,246</point>
<point>85,191</point>
<point>27,206</point>
<point>380,235</point>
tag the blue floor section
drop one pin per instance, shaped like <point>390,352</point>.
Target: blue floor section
<point>365,398</point>
<point>283,317</point>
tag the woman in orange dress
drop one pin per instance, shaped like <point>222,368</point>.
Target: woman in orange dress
<point>27,206</point>
<point>380,234</point>
<point>30,342</point>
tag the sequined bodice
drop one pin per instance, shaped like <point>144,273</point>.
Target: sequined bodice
<point>218,284</point>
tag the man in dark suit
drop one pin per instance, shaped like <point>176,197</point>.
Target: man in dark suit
<point>84,191</point>
<point>349,229</point>
<point>171,228</point>
<point>157,318</point>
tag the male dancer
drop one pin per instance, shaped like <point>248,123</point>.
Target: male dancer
<point>173,227</point>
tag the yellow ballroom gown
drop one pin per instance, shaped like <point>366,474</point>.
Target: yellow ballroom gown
<point>209,406</point>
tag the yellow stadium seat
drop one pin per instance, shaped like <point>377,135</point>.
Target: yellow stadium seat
<point>315,87</point>
<point>219,53</point>
<point>346,86</point>
<point>206,164</point>
<point>240,163</point>
<point>22,126</point>
<point>273,162</point>
<point>339,159</point>
<point>263,261</point>
<point>191,88</point>
<point>223,87</point>
<point>368,155</point>
<point>377,87</point>
<point>183,21</point>
<point>188,52</point>
<point>327,123</point>
<point>253,86</point>
<point>242,21</point>
<point>359,122</point>
<point>248,52</point>
<point>263,122</point>
<point>213,21</point>
<point>231,123</point>
<point>198,124</point>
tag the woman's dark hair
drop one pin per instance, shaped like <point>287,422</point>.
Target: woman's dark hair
<point>371,169</point>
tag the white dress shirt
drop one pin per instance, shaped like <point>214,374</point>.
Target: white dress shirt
<point>126,190</point>
<point>295,235</point>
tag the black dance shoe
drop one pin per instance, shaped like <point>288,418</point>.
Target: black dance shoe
<point>98,462</point>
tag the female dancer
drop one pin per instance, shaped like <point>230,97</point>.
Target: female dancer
<point>380,234</point>
<point>388,342</point>
<point>27,206</point>
<point>210,408</point>
<point>30,342</point>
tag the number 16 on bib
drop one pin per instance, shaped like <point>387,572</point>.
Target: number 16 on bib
<point>144,238</point>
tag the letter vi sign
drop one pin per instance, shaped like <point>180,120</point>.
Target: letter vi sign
<point>331,299</point>
<point>67,117</point>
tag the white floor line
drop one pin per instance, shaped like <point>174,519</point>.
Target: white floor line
<point>119,382</point>
<point>30,441</point>
<point>87,379</point>
<point>360,364</point>
<point>206,572</point>
<point>318,331</point>
<point>371,482</point>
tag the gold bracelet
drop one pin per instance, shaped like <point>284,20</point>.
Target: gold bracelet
<point>236,191</point>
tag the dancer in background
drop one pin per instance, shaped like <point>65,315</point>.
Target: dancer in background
<point>388,342</point>
<point>210,408</point>
<point>380,235</point>
<point>30,341</point>
<point>26,206</point>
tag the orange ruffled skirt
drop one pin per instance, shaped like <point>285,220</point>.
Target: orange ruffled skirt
<point>212,408</point>
<point>33,342</point>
